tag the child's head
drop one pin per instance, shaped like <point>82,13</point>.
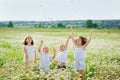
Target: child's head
<point>28,40</point>
<point>45,49</point>
<point>62,47</point>
<point>81,40</point>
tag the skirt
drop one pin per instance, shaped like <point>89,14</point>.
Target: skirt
<point>79,65</point>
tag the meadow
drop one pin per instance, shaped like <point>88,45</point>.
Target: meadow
<point>103,54</point>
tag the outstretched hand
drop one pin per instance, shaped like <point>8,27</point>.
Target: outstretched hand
<point>41,41</point>
<point>70,37</point>
<point>40,46</point>
<point>54,49</point>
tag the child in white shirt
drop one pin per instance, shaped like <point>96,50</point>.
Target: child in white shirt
<point>29,51</point>
<point>80,54</point>
<point>45,57</point>
<point>62,56</point>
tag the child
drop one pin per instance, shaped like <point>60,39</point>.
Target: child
<point>80,54</point>
<point>29,51</point>
<point>45,57</point>
<point>62,56</point>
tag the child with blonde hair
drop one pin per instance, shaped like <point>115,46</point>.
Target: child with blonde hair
<point>45,57</point>
<point>62,55</point>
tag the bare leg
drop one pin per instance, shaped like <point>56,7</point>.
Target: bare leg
<point>81,74</point>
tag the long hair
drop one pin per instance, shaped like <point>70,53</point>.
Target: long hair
<point>83,40</point>
<point>25,42</point>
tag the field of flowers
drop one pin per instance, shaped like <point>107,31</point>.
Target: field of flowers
<point>103,54</point>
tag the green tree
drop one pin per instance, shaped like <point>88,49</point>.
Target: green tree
<point>89,24</point>
<point>40,26</point>
<point>53,26</point>
<point>95,25</point>
<point>60,25</point>
<point>10,24</point>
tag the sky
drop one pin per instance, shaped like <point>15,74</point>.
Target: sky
<point>50,10</point>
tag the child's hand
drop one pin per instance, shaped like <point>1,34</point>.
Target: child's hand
<point>54,49</point>
<point>41,42</point>
<point>70,37</point>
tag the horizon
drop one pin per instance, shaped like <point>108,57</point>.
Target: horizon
<point>58,20</point>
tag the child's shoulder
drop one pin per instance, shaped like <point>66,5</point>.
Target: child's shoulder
<point>26,46</point>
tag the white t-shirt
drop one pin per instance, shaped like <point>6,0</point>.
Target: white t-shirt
<point>30,51</point>
<point>62,56</point>
<point>45,60</point>
<point>79,54</point>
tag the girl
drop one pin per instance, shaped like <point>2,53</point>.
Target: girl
<point>29,51</point>
<point>62,56</point>
<point>80,54</point>
<point>45,56</point>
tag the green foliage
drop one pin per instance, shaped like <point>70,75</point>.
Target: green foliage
<point>40,26</point>
<point>102,61</point>
<point>95,25</point>
<point>2,61</point>
<point>10,24</point>
<point>53,26</point>
<point>75,23</point>
<point>90,24</point>
<point>60,25</point>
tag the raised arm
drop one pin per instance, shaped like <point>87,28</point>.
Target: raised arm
<point>72,36</point>
<point>26,57</point>
<point>54,53</point>
<point>88,41</point>
<point>66,45</point>
<point>41,43</point>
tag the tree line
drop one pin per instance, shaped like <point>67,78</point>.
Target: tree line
<point>63,24</point>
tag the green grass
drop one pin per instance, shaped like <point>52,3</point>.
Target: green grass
<point>103,61</point>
